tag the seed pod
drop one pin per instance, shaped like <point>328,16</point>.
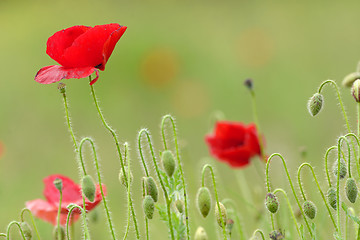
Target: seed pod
<point>149,206</point>
<point>309,209</point>
<point>151,188</point>
<point>223,213</point>
<point>355,90</point>
<point>26,229</point>
<point>351,190</point>
<point>331,196</point>
<point>122,177</point>
<point>168,162</point>
<point>179,204</point>
<point>271,202</point>
<point>58,184</point>
<point>203,199</point>
<point>88,187</point>
<point>350,79</point>
<point>343,168</point>
<point>200,234</point>
<point>62,233</point>
<point>315,104</point>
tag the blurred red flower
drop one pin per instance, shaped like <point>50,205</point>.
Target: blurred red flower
<point>80,50</point>
<point>234,143</point>
<point>48,210</point>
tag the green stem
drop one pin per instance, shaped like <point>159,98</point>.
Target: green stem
<point>260,232</point>
<point>128,189</point>
<point>237,218</point>
<point>69,122</point>
<point>146,220</point>
<point>9,227</point>
<point>32,220</point>
<point>216,194</point>
<point>2,235</point>
<point>338,185</point>
<point>256,120</point>
<point>71,207</point>
<point>58,215</point>
<point>326,163</point>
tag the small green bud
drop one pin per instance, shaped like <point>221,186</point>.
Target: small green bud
<point>61,87</point>
<point>179,204</point>
<point>276,235</point>
<point>223,213</point>
<point>350,79</point>
<point>271,202</point>
<point>122,177</point>
<point>315,104</point>
<point>331,196</point>
<point>200,234</point>
<point>88,187</point>
<point>26,229</point>
<point>343,168</point>
<point>203,199</point>
<point>62,233</point>
<point>309,209</point>
<point>351,190</point>
<point>58,184</point>
<point>355,90</point>
<point>149,206</point>
<point>151,188</point>
<point>168,162</point>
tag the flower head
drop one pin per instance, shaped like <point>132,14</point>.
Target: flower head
<point>234,143</point>
<point>47,209</point>
<point>80,50</point>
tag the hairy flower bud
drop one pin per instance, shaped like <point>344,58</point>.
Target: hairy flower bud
<point>58,184</point>
<point>62,233</point>
<point>88,187</point>
<point>168,162</point>
<point>309,209</point>
<point>179,204</point>
<point>315,104</point>
<point>276,235</point>
<point>151,188</point>
<point>203,199</point>
<point>122,177</point>
<point>351,190</point>
<point>149,206</point>
<point>223,215</point>
<point>350,79</point>
<point>26,229</point>
<point>331,196</point>
<point>271,202</point>
<point>343,168</point>
<point>355,90</point>
<point>200,234</point>
<point>61,87</point>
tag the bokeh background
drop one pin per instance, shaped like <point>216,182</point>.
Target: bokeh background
<point>186,58</point>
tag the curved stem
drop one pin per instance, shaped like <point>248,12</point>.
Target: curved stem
<point>260,232</point>
<point>69,122</point>
<point>358,144</point>
<point>2,235</point>
<point>141,152</point>
<point>216,194</point>
<point>172,121</point>
<point>167,199</point>
<point>326,165</point>
<point>71,207</point>
<point>290,182</point>
<point>32,220</point>
<point>9,227</point>
<point>128,189</point>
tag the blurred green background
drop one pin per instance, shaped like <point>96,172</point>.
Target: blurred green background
<point>187,58</point>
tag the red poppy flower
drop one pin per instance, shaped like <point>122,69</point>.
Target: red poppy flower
<point>80,50</point>
<point>234,143</point>
<point>71,193</point>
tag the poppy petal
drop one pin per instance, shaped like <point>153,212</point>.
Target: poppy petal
<point>55,73</point>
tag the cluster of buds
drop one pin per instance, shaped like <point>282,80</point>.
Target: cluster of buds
<point>151,196</point>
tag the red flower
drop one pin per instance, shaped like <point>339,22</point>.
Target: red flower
<point>48,210</point>
<point>234,143</point>
<point>80,50</point>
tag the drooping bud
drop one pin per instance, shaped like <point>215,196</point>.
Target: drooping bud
<point>179,204</point>
<point>350,79</point>
<point>271,202</point>
<point>56,235</point>
<point>223,215</point>
<point>168,162</point>
<point>315,104</point>
<point>58,184</point>
<point>149,206</point>
<point>61,87</point>
<point>203,199</point>
<point>229,225</point>
<point>351,190</point>
<point>122,177</point>
<point>26,229</point>
<point>200,234</point>
<point>276,235</point>
<point>355,90</point>
<point>88,187</point>
<point>331,196</point>
<point>343,168</point>
<point>309,209</point>
<point>151,188</point>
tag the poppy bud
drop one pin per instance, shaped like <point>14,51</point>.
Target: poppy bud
<point>249,83</point>
<point>88,187</point>
<point>168,162</point>
<point>26,229</point>
<point>179,204</point>
<point>351,190</point>
<point>271,202</point>
<point>276,235</point>
<point>62,233</point>
<point>200,234</point>
<point>350,79</point>
<point>309,209</point>
<point>315,104</point>
<point>149,206</point>
<point>229,225</point>
<point>203,200</point>
<point>223,213</point>
<point>151,188</point>
<point>331,196</point>
<point>58,184</point>
<point>355,90</point>
<point>61,87</point>
<point>343,168</point>
<point>122,177</point>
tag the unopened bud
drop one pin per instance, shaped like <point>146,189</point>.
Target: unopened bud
<point>203,199</point>
<point>122,177</point>
<point>179,204</point>
<point>151,188</point>
<point>309,209</point>
<point>343,168</point>
<point>355,90</point>
<point>61,87</point>
<point>271,202</point>
<point>56,234</point>
<point>88,187</point>
<point>58,184</point>
<point>351,190</point>
<point>26,230</point>
<point>200,234</point>
<point>331,196</point>
<point>350,79</point>
<point>223,215</point>
<point>149,206</point>
<point>315,104</point>
<point>249,83</point>
<point>276,235</point>
<point>168,162</point>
